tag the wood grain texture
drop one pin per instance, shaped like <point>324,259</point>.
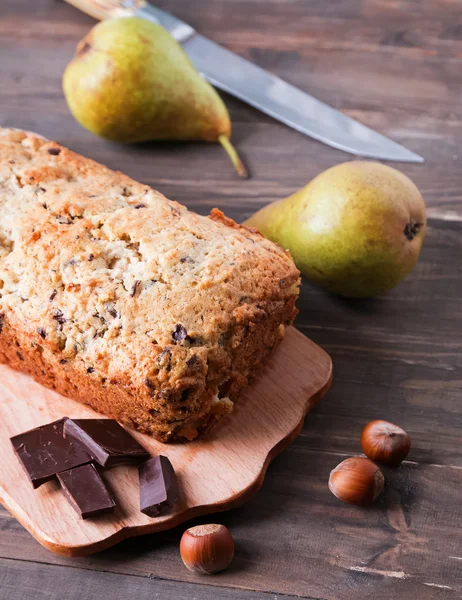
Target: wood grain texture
<point>395,65</point>
<point>217,472</point>
<point>23,581</point>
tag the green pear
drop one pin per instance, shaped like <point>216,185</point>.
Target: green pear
<point>355,230</point>
<point>130,81</point>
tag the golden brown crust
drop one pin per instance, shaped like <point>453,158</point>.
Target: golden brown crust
<point>119,298</point>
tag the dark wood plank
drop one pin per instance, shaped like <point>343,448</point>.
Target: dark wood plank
<point>396,66</point>
<point>295,538</point>
<point>401,76</point>
<point>21,580</point>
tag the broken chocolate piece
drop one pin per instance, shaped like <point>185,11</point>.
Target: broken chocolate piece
<point>106,441</point>
<point>44,452</point>
<point>86,491</point>
<point>158,486</point>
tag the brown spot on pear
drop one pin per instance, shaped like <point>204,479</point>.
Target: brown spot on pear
<point>356,229</point>
<point>130,81</point>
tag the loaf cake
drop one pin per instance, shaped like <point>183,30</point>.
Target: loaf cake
<point>116,297</point>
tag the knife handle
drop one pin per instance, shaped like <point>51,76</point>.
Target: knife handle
<point>105,9</point>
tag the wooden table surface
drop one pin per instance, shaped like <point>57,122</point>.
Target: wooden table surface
<point>395,65</point>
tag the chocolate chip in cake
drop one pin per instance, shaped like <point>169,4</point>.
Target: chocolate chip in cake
<point>140,206</point>
<point>19,355</point>
<point>184,395</point>
<point>91,257</point>
<point>42,333</point>
<point>54,151</point>
<point>63,361</point>
<point>113,312</point>
<point>192,361</point>
<point>135,287</point>
<point>53,295</point>
<point>179,334</point>
<point>2,318</point>
<point>90,370</point>
<point>63,220</point>
<point>58,316</point>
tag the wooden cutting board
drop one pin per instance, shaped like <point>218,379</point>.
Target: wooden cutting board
<point>216,473</point>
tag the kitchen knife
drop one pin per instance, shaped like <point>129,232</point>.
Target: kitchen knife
<point>266,92</point>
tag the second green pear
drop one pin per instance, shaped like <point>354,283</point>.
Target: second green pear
<point>130,81</point>
<point>355,229</point>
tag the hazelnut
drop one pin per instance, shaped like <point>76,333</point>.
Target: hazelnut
<point>356,481</point>
<point>207,549</point>
<point>384,442</point>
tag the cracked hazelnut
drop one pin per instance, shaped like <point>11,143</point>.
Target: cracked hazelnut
<point>384,442</point>
<point>207,549</point>
<point>356,480</point>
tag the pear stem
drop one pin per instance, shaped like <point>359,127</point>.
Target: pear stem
<point>233,155</point>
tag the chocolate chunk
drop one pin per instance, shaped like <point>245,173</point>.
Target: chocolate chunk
<point>158,486</point>
<point>106,441</point>
<point>86,491</point>
<point>54,151</point>
<point>179,333</point>
<point>42,333</point>
<point>53,295</point>
<point>140,206</point>
<point>2,318</point>
<point>44,452</point>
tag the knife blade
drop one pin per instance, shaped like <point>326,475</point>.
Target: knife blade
<point>259,88</point>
